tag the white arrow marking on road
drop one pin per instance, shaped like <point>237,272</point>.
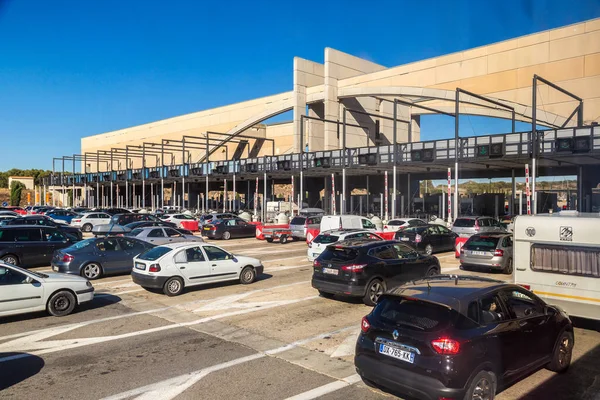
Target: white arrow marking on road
<point>328,388</point>
<point>347,346</point>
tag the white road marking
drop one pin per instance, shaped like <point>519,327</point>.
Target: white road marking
<point>171,388</point>
<point>110,282</point>
<point>284,258</point>
<point>51,346</point>
<point>283,268</point>
<point>347,347</point>
<point>328,388</point>
<point>450,269</point>
<point>104,294</point>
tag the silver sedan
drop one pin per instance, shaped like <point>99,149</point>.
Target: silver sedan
<point>159,235</point>
<point>488,250</point>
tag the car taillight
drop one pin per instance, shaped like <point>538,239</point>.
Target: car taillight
<point>154,268</point>
<point>385,227</point>
<point>76,220</point>
<point>446,346</point>
<point>213,228</point>
<point>418,239</point>
<point>476,226</point>
<point>354,267</point>
<point>365,325</point>
<point>316,264</point>
<point>498,253</point>
<point>67,258</point>
<point>306,224</point>
<point>528,287</point>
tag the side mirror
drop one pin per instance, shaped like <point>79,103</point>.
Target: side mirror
<point>234,259</point>
<point>29,280</point>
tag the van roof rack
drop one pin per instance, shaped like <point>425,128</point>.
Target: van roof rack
<point>456,278</point>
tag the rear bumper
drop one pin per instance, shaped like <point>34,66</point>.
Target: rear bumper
<point>494,262</point>
<point>149,281</point>
<point>338,288</point>
<point>403,381</point>
<point>211,234</point>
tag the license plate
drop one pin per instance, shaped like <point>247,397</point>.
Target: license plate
<point>207,229</point>
<point>140,266</point>
<point>55,268</point>
<point>404,239</point>
<point>397,353</point>
<point>478,253</point>
<point>330,271</point>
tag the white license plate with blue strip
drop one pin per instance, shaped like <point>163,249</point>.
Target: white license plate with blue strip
<point>397,353</point>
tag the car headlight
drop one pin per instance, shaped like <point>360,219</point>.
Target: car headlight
<point>88,283</point>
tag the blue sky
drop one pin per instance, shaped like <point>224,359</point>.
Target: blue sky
<point>70,69</point>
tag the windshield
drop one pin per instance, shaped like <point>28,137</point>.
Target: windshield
<point>464,223</point>
<point>482,243</point>
<point>326,239</point>
<point>339,254</point>
<point>154,253</point>
<point>298,221</point>
<point>134,232</point>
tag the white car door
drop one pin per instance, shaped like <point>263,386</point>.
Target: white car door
<point>17,294</point>
<point>192,265</point>
<point>222,265</point>
<point>103,219</point>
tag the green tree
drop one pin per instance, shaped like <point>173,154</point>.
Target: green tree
<point>15,193</point>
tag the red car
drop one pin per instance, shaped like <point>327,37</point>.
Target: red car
<point>18,210</point>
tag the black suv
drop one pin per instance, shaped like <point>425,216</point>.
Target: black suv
<point>42,220</point>
<point>460,337</point>
<point>28,246</point>
<point>365,268</point>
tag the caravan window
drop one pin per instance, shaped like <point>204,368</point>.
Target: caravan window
<point>582,261</point>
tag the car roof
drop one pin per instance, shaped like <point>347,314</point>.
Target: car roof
<point>452,291</point>
<point>362,243</point>
<point>492,234</point>
<point>339,232</point>
<point>27,226</point>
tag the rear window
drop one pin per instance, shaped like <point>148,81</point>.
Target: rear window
<point>396,223</point>
<point>326,239</point>
<point>464,223</point>
<point>342,254</point>
<point>81,244</point>
<point>482,243</point>
<point>412,314</point>
<point>154,253</point>
<point>298,221</point>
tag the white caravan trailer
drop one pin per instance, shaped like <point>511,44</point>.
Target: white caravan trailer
<point>557,256</point>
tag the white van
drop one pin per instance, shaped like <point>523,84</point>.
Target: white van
<point>557,256</point>
<point>336,222</point>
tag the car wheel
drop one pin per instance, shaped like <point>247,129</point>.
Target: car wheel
<point>508,269</point>
<point>247,276</point>
<point>10,259</point>
<point>91,271</point>
<point>61,303</point>
<point>483,387</point>
<point>429,249</point>
<point>269,240</point>
<point>87,228</point>
<point>173,286</point>
<point>226,235</point>
<point>563,350</point>
<point>375,289</point>
<point>326,294</point>
<point>433,270</point>
<point>283,239</point>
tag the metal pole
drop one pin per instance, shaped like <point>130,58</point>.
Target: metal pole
<point>224,195</point>
<point>381,206</point>
<point>534,142</point>
<point>367,194</point>
<point>292,198</point>
<point>206,191</point>
<point>343,197</point>
<point>449,196</point>
<point>234,198</point>
<point>256,198</point>
<point>456,138</point>
<point>333,194</point>
<point>111,193</point>
<point>264,200</point>
<point>386,195</point>
<point>301,163</point>
<point>394,171</point>
<point>152,196</point>
<point>343,200</point>
<point>408,195</point>
<point>527,189</point>
<point>513,192</point>
<point>520,193</point>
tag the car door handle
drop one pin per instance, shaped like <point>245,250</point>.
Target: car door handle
<point>181,267</point>
<point>214,265</point>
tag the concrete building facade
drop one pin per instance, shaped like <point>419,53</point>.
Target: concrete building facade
<point>361,90</point>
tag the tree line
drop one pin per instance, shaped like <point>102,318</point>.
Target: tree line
<point>472,187</point>
<point>37,174</point>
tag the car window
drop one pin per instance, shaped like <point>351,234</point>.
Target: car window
<point>230,222</point>
<point>156,233</point>
<point>129,245</point>
<point>298,221</point>
<point>508,242</point>
<point>11,277</point>
<point>54,236</point>
<point>108,245</point>
<point>522,305</point>
<point>490,310</point>
<point>326,239</point>
<point>28,235</point>
<point>194,254</point>
<point>395,223</point>
<point>483,222</point>
<point>172,232</point>
<point>416,222</point>
<point>7,235</point>
<point>403,251</point>
<point>216,254</point>
<point>432,230</point>
<point>154,253</point>
<point>241,223</point>
<point>367,224</point>
<point>473,311</point>
<point>102,216</point>
<point>464,223</point>
<point>443,230</point>
<point>386,252</point>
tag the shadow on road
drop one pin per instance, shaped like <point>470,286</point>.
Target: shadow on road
<point>16,370</point>
<point>580,382</point>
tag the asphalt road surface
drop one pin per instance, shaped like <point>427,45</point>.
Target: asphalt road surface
<point>273,339</point>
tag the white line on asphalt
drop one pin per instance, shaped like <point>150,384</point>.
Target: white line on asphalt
<point>450,269</point>
<point>284,258</point>
<point>171,388</point>
<point>104,294</point>
<point>93,321</point>
<point>110,282</point>
<point>328,388</point>
<point>269,269</point>
<point>52,346</point>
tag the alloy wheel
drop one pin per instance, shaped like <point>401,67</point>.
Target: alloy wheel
<point>483,390</point>
<point>564,351</point>
<point>91,271</point>
<point>375,291</point>
<point>174,286</point>
<point>10,260</point>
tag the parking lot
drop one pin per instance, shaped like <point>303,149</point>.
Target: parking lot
<point>273,339</point>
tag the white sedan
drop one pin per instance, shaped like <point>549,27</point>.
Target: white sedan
<point>177,219</point>
<point>318,245</point>
<point>23,291</point>
<point>395,225</point>
<point>175,266</point>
